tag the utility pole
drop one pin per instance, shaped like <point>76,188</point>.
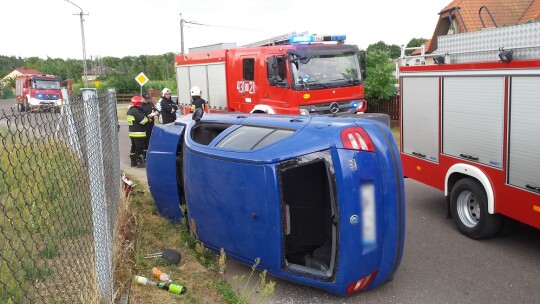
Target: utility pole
<point>81,13</point>
<point>181,34</point>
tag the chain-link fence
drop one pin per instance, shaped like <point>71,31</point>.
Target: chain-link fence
<point>59,196</point>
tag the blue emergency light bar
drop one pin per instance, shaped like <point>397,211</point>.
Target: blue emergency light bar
<point>316,38</point>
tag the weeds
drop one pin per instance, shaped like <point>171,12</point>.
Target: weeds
<point>262,287</point>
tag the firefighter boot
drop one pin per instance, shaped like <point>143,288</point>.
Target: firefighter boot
<point>141,162</point>
<point>133,158</point>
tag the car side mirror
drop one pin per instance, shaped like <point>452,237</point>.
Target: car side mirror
<point>197,114</point>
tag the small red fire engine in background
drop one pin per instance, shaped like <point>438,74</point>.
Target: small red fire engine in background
<point>40,92</point>
<point>305,75</point>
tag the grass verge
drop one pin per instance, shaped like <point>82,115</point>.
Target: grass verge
<point>141,231</point>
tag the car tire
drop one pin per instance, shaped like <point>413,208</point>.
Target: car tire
<point>468,205</point>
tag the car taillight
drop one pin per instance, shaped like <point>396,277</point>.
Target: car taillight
<point>362,284</point>
<point>356,138</point>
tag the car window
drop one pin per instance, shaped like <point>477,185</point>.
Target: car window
<point>206,132</point>
<point>251,137</point>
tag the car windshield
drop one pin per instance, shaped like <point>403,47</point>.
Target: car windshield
<point>47,84</point>
<point>327,71</point>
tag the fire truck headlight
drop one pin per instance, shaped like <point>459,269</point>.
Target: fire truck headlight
<point>33,102</point>
<point>304,112</point>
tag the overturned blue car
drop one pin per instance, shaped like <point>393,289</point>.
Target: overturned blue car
<point>319,200</point>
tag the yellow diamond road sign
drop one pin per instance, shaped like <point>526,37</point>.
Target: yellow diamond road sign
<point>141,79</point>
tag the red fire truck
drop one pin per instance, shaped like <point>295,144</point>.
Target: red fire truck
<point>39,92</point>
<point>470,126</point>
<point>306,75</point>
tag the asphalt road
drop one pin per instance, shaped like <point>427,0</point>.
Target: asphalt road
<point>439,264</point>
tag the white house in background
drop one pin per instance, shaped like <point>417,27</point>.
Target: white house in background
<point>19,72</point>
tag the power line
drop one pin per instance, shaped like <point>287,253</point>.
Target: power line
<point>183,22</point>
<point>222,26</point>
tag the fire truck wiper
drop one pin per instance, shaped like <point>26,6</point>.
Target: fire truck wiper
<point>317,83</point>
<point>349,81</point>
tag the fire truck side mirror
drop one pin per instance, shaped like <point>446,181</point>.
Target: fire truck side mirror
<point>197,115</point>
<point>362,60</point>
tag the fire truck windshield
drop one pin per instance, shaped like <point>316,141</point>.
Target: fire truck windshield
<point>328,71</point>
<point>47,84</point>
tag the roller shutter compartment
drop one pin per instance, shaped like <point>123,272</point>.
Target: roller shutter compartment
<point>524,132</point>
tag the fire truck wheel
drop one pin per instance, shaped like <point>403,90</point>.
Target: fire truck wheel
<point>468,204</point>
<point>20,107</point>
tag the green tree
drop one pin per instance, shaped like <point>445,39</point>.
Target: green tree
<point>394,51</point>
<point>415,42</point>
<point>8,64</point>
<point>379,84</point>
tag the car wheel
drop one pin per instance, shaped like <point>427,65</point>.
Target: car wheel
<point>468,204</point>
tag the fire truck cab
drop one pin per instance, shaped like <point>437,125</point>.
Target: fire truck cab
<point>470,127</point>
<point>39,92</point>
<point>298,75</point>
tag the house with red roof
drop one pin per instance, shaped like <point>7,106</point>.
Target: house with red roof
<point>19,72</point>
<point>462,16</point>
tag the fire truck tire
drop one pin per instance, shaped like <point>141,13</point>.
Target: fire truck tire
<point>468,205</point>
<point>20,107</point>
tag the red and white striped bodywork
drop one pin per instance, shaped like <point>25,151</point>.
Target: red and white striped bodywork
<point>478,120</point>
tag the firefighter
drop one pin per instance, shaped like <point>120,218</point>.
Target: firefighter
<point>196,100</point>
<point>150,110</point>
<point>168,107</point>
<point>137,121</point>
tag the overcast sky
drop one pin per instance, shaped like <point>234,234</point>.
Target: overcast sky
<point>49,28</point>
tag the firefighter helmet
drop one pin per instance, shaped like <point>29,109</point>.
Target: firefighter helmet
<point>195,91</point>
<point>136,101</point>
<point>165,90</point>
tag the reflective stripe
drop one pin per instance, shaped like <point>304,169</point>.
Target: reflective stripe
<point>144,121</point>
<point>137,134</point>
<point>130,120</point>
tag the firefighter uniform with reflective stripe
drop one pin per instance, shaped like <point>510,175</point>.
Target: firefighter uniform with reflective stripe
<point>137,120</point>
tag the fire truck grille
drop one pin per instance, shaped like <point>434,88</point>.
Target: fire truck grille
<point>47,96</point>
<point>331,108</point>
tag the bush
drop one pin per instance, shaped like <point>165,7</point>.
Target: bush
<point>7,93</point>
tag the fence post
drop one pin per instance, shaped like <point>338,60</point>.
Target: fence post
<point>94,154</point>
<point>71,131</point>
